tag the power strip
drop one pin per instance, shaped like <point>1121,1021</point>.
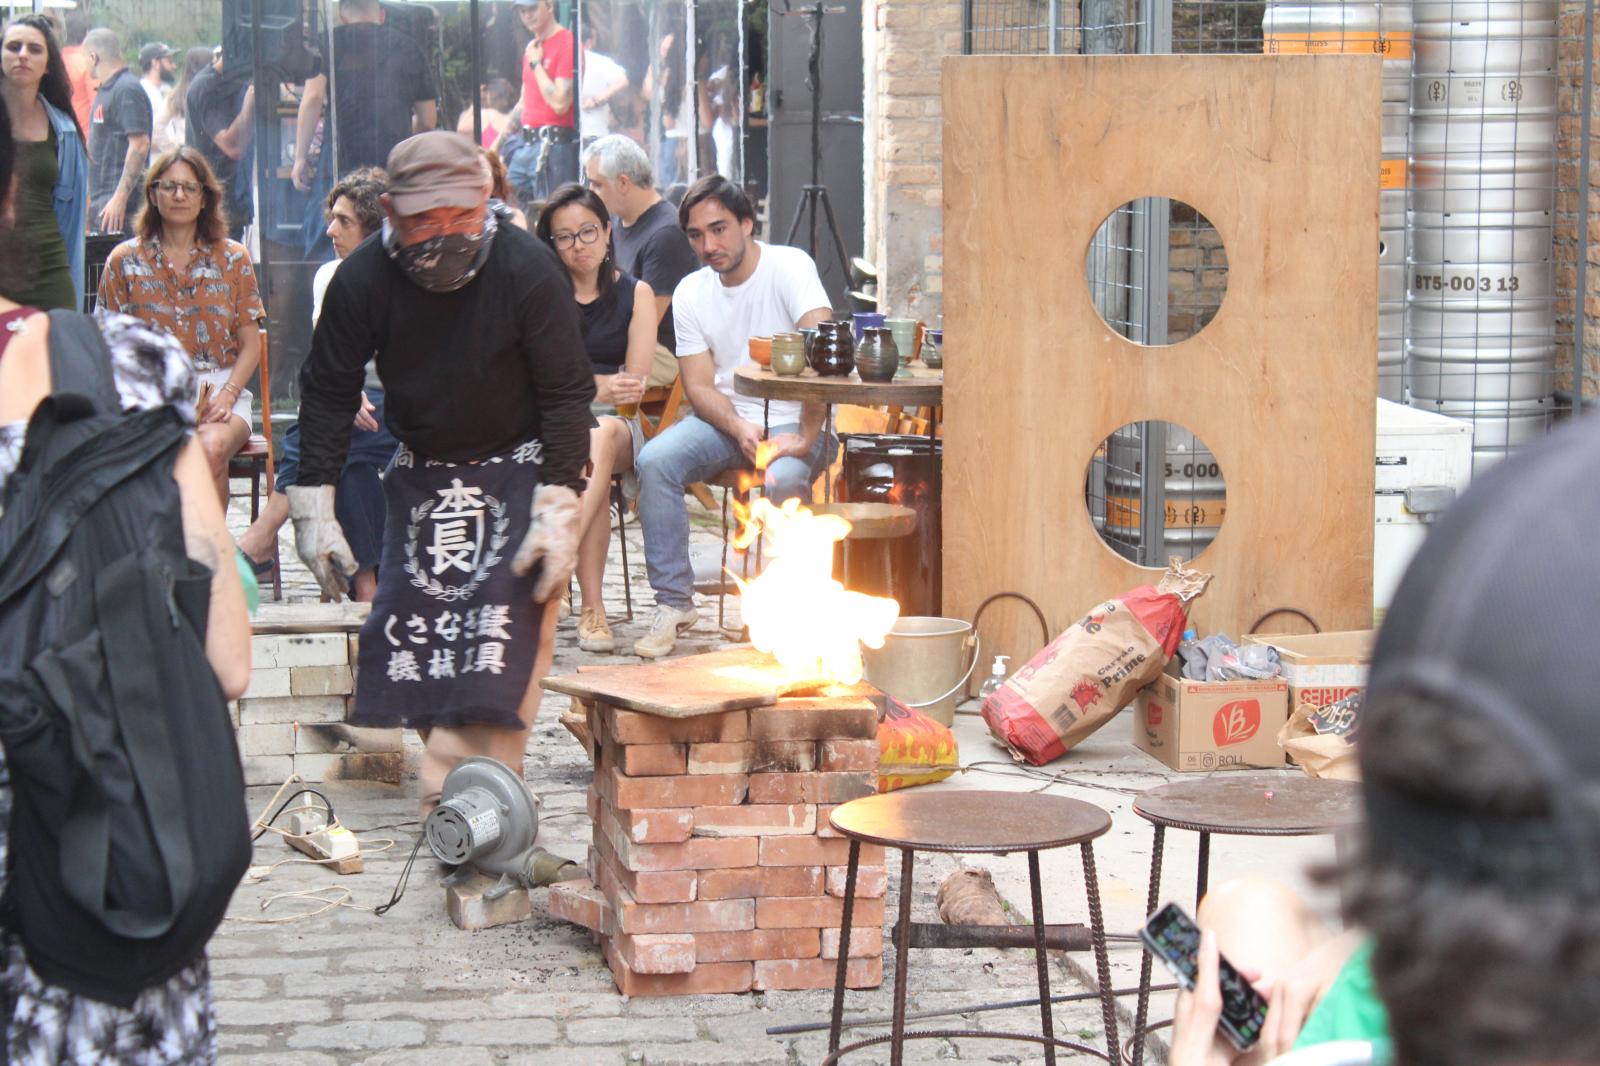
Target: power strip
<point>336,846</point>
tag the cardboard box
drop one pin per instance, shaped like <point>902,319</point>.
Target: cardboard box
<point>1322,668</point>
<point>1204,725</point>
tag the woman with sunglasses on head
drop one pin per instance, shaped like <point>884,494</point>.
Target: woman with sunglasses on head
<point>182,274</point>
<point>52,170</point>
<point>619,325</point>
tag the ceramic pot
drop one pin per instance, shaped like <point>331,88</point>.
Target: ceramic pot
<point>933,349</point>
<point>864,319</point>
<point>905,333</point>
<point>788,353</point>
<point>808,338</point>
<point>878,357</point>
<point>833,354</point>
<point>761,351</point>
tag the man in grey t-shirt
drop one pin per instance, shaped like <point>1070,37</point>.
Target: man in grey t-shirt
<point>645,235</point>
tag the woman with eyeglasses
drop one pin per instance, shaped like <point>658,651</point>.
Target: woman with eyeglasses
<point>182,273</point>
<point>52,166</point>
<point>619,326</point>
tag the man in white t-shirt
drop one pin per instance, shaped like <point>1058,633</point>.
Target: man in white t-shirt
<point>746,289</point>
<point>601,79</point>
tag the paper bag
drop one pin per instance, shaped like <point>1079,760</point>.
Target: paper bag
<point>1080,680</point>
<point>1322,739</point>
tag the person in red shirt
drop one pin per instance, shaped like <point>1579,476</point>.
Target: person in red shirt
<point>84,87</point>
<point>548,154</point>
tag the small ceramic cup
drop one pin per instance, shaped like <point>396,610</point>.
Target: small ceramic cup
<point>761,350</point>
<point>905,333</point>
<point>788,354</point>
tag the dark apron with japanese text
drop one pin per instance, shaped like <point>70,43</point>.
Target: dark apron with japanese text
<point>453,632</point>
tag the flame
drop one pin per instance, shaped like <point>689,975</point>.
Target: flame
<point>795,610</point>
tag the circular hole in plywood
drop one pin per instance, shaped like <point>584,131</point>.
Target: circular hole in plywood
<point>1162,471</point>
<point>1157,270</point>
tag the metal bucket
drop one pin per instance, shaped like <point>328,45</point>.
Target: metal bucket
<point>924,664</point>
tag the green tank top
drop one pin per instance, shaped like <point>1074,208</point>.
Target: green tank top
<point>49,282</point>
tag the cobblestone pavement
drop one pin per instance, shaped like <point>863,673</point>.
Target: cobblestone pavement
<point>347,986</point>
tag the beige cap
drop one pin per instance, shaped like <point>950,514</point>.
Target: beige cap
<point>436,169</point>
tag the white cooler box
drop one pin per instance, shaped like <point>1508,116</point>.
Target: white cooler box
<point>1424,463</point>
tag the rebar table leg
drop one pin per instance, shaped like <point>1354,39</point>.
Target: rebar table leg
<point>1102,959</point>
<point>836,1023</point>
<point>1204,869</point>
<point>902,960</point>
<point>1153,897</point>
<point>1041,959</point>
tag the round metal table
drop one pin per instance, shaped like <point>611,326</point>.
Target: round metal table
<point>972,822</point>
<point>1234,804</point>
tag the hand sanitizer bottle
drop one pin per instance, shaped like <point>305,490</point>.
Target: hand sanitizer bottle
<point>997,677</point>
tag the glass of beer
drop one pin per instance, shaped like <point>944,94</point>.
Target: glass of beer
<point>628,410</point>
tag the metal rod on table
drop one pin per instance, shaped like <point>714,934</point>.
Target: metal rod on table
<point>1142,1011</point>
<point>1102,958</point>
<point>837,1016</point>
<point>902,956</point>
<point>1041,959</point>
<point>977,1008</point>
<point>1071,937</point>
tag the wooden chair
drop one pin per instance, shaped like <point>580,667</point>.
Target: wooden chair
<point>666,406</point>
<point>255,461</point>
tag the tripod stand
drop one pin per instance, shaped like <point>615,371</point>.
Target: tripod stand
<point>814,197</point>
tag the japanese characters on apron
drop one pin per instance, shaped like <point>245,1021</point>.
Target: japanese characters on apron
<point>453,632</point>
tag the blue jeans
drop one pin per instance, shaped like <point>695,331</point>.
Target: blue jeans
<point>532,182</point>
<point>686,452</point>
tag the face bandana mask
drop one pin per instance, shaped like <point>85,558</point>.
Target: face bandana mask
<point>444,263</point>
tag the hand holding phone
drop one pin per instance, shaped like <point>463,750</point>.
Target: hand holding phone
<point>1172,936</point>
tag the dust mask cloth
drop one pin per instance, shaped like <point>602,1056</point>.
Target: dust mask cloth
<point>444,263</point>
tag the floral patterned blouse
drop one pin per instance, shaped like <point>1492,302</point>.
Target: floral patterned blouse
<point>205,306</point>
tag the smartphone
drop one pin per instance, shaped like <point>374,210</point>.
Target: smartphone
<point>1172,937</point>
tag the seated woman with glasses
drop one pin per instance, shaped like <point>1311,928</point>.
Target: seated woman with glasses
<point>619,326</point>
<point>182,274</point>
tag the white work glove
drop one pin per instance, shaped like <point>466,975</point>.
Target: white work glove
<point>552,537</point>
<point>318,540</point>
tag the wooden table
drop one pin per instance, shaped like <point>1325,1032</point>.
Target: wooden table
<point>972,822</point>
<point>921,387</point>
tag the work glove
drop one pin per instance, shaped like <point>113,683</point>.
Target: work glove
<point>552,538</point>
<point>318,540</point>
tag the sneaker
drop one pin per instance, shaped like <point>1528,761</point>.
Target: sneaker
<point>593,632</point>
<point>664,629</point>
<point>564,608</point>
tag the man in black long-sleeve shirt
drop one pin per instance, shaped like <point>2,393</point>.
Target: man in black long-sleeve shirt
<point>487,388</point>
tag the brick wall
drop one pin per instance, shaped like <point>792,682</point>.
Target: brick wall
<point>291,720</point>
<point>907,40</point>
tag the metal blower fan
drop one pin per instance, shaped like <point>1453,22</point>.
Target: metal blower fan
<point>486,822</point>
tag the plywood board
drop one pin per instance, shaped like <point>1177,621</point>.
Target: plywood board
<point>1281,153</point>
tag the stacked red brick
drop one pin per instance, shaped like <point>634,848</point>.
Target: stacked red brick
<point>713,868</point>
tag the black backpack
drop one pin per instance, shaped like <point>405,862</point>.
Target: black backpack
<point>128,828</point>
